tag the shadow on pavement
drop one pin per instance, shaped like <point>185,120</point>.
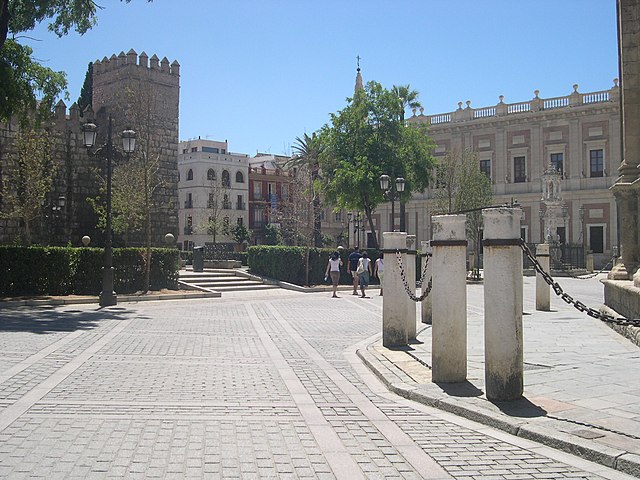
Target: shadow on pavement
<point>45,320</point>
<point>522,408</point>
<point>462,389</point>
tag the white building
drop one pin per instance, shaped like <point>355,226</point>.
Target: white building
<point>213,186</point>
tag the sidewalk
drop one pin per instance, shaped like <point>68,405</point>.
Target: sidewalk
<point>582,387</point>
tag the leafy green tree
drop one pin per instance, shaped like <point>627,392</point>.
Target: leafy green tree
<point>272,235</point>
<point>240,234</point>
<point>366,139</point>
<point>408,99</point>
<point>24,79</point>
<point>31,172</point>
<point>462,186</point>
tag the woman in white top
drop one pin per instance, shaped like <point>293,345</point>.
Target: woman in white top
<point>364,270</point>
<point>333,269</point>
<point>378,270</point>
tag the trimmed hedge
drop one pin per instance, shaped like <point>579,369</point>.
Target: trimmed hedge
<point>287,263</point>
<point>66,270</point>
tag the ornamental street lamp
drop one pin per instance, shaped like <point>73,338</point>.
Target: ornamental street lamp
<point>89,132</point>
<point>392,191</point>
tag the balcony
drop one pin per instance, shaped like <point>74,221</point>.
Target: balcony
<point>188,230</point>
<point>226,205</point>
<point>241,206</point>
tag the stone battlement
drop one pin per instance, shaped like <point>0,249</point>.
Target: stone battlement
<point>142,61</point>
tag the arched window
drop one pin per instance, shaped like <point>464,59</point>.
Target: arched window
<point>211,174</point>
<point>239,177</point>
<point>190,175</point>
<point>226,180</point>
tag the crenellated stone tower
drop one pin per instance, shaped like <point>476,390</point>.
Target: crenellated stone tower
<point>143,93</point>
<point>138,92</point>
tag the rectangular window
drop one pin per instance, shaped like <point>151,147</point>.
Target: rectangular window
<point>562,234</point>
<point>257,190</point>
<point>210,149</point>
<point>185,150</point>
<point>338,217</point>
<point>188,203</point>
<point>212,201</point>
<point>240,205</point>
<point>194,149</point>
<point>557,160</point>
<point>596,158</point>
<point>596,239</point>
<point>519,170</point>
<point>285,191</point>
<point>485,167</point>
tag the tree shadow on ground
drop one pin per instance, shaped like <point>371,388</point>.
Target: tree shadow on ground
<point>43,320</point>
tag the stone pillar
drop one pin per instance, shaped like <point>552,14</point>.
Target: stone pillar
<point>543,290</point>
<point>449,303</point>
<point>589,262</point>
<point>394,316</point>
<point>426,302</point>
<point>410,275</point>
<point>627,187</point>
<point>504,366</point>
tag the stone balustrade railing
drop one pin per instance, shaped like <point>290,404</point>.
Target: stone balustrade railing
<point>535,105</point>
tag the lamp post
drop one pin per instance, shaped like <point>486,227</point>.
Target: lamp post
<point>392,191</point>
<point>89,132</point>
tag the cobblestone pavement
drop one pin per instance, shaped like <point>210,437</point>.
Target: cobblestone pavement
<point>231,388</point>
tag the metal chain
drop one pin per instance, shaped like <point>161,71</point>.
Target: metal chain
<point>583,277</point>
<point>578,305</point>
<point>407,288</point>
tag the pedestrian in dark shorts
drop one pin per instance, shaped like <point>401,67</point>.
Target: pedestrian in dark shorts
<point>352,267</point>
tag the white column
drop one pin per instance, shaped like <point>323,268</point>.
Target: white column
<point>543,290</point>
<point>410,275</point>
<point>449,303</point>
<point>394,316</point>
<point>504,367</point>
<point>426,302</point>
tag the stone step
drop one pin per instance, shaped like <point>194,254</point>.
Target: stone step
<point>239,288</point>
<point>215,285</point>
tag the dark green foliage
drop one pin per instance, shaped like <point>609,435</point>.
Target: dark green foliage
<point>287,263</point>
<point>86,93</point>
<point>66,271</point>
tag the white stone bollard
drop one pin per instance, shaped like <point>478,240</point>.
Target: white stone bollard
<point>449,303</point>
<point>504,367</point>
<point>394,306</point>
<point>410,275</point>
<point>426,312</point>
<point>589,262</point>
<point>543,290</point>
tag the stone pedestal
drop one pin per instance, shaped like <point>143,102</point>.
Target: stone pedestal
<point>543,290</point>
<point>449,303</point>
<point>410,275</point>
<point>394,306</point>
<point>504,366</point>
<point>426,310</point>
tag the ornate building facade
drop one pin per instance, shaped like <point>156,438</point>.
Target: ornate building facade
<point>516,142</point>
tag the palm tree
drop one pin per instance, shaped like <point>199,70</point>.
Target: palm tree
<point>307,152</point>
<point>406,98</point>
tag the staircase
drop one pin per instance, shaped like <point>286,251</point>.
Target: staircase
<point>222,280</point>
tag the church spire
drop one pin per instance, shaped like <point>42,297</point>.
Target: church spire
<point>358,77</point>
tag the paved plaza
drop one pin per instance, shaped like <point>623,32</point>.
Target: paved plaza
<point>276,384</point>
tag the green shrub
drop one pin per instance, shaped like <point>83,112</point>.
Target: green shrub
<point>66,270</point>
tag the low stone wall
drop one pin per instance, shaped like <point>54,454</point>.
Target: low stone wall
<point>222,264</point>
<point>623,297</point>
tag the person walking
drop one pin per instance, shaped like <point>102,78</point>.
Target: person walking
<point>333,269</point>
<point>378,269</point>
<point>352,266</point>
<point>364,271</point>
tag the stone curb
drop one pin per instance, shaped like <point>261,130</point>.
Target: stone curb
<point>121,299</point>
<point>549,434</point>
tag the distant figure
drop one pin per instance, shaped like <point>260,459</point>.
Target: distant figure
<point>333,269</point>
<point>378,269</point>
<point>352,266</point>
<point>363,271</point>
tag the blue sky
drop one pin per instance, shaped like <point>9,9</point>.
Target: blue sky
<point>259,73</point>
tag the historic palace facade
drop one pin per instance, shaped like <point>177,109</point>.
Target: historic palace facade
<point>515,143</point>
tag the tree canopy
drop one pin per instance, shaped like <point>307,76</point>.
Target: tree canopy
<point>25,82</point>
<point>366,139</point>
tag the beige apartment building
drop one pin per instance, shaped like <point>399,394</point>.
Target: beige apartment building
<point>515,142</point>
<point>213,187</point>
